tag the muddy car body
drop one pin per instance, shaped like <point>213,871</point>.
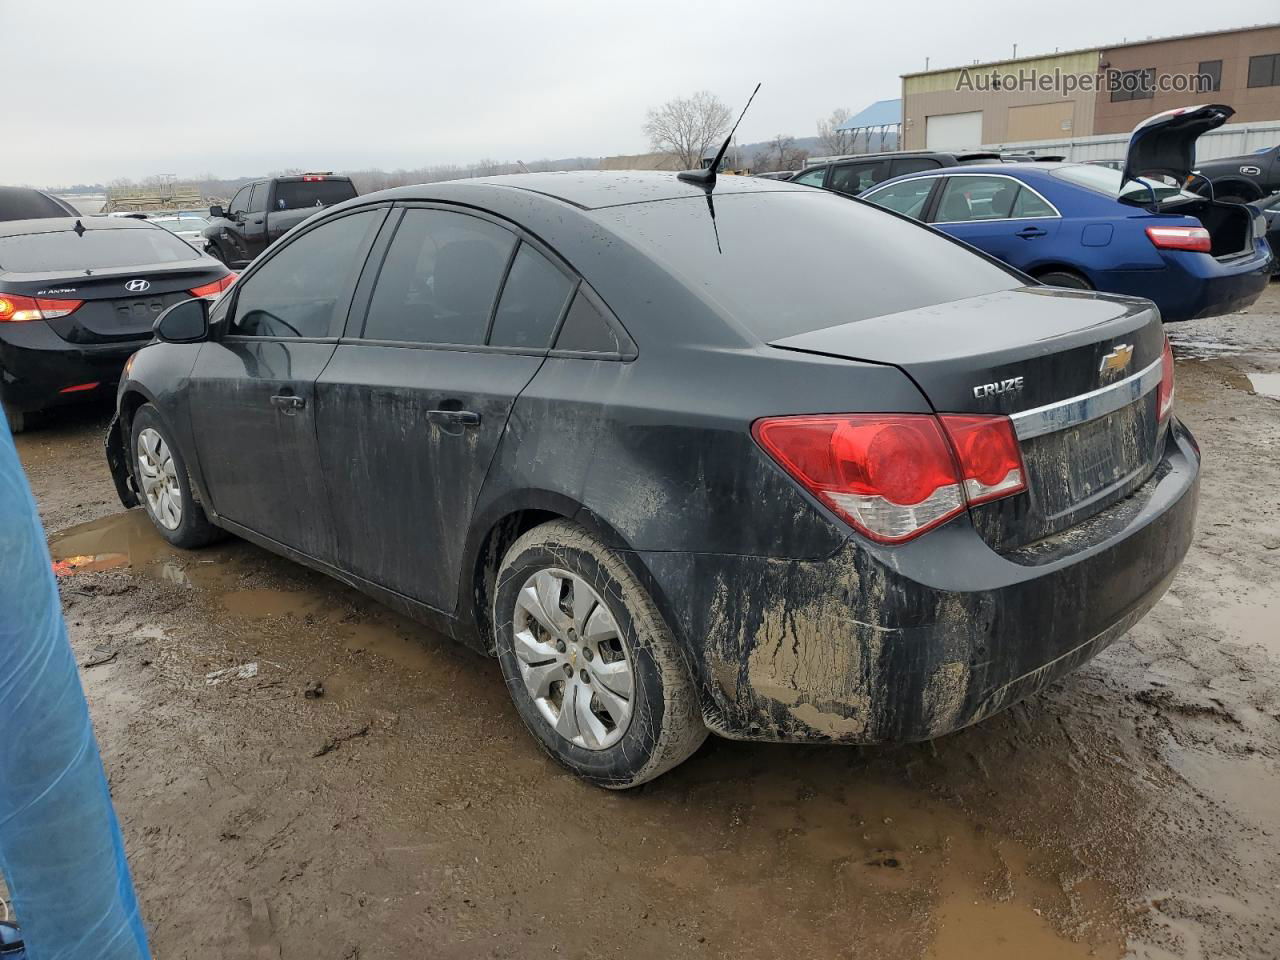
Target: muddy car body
<point>657,435</point>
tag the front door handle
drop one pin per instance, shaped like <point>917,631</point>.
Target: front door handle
<point>1028,233</point>
<point>453,418</point>
<point>288,402</point>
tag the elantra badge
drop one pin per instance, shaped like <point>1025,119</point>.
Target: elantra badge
<point>138,286</point>
<point>1116,361</point>
<point>997,388</point>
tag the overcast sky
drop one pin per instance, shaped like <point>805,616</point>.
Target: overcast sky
<point>94,91</point>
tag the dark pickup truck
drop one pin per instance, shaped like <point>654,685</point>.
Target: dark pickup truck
<point>1240,179</point>
<point>265,210</point>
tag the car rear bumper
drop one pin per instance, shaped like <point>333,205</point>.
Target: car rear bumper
<point>878,645</point>
<point>1195,285</point>
<point>36,365</point>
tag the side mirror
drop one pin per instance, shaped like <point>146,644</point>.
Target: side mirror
<point>215,211</point>
<point>185,322</point>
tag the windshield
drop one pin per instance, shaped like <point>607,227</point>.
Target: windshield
<point>92,250</point>
<point>853,260</point>
<point>1107,181</point>
<point>175,224</point>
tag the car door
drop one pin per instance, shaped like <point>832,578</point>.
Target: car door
<point>413,405</point>
<point>252,386</point>
<point>997,214</point>
<point>254,226</point>
<point>231,236</point>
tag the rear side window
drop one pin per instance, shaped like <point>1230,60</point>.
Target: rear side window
<point>586,330</point>
<point>532,300</point>
<point>1030,205</point>
<point>92,250</point>
<point>305,288</point>
<point>913,165</point>
<point>439,279</point>
<point>856,177</point>
<point>296,194</point>
<point>976,198</point>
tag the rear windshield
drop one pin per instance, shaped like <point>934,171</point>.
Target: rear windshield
<point>1107,180</point>
<point>790,262</point>
<point>94,250</point>
<point>294,194</point>
<point>29,205</point>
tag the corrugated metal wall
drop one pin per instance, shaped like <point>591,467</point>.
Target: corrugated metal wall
<point>1230,140</point>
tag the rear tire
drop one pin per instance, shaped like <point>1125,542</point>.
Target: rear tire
<point>1065,278</point>
<point>160,476</point>
<point>594,671</point>
<point>17,419</point>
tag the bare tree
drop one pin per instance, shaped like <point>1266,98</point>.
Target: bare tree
<point>687,127</point>
<point>780,154</point>
<point>834,140</point>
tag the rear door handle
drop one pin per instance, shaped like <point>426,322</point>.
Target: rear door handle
<point>289,403</point>
<point>453,418</point>
<point>1027,233</point>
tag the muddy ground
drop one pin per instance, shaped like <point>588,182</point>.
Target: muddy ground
<point>1133,809</point>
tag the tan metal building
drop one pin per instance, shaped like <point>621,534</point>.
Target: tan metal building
<point>1067,95</point>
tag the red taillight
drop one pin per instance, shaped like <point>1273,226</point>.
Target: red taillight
<point>1165,394</point>
<point>18,309</point>
<point>894,476</point>
<point>311,179</point>
<point>1195,239</point>
<point>213,289</point>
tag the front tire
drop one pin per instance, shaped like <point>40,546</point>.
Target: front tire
<point>589,661</point>
<point>161,478</point>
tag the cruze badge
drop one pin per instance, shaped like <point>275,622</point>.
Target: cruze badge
<point>1116,361</point>
<point>138,286</point>
<point>997,388</point>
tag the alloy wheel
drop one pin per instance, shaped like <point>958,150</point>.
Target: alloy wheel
<point>573,659</point>
<point>159,479</point>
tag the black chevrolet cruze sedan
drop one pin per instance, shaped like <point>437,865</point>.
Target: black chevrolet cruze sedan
<point>745,458</point>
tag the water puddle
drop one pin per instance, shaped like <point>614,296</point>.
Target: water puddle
<point>1200,346</point>
<point>1265,384</point>
<point>1253,623</point>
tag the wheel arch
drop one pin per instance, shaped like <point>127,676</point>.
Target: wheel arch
<point>1038,270</point>
<point>1237,186</point>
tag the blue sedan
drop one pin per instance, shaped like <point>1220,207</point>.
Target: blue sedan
<point>1085,226</point>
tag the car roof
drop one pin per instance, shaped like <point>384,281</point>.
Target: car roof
<point>594,189</point>
<point>14,228</point>
<point>971,169</point>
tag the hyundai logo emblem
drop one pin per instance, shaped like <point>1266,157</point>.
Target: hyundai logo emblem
<point>138,286</point>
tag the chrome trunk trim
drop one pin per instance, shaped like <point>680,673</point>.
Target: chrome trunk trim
<point>1087,406</point>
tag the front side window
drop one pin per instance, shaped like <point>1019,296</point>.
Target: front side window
<point>812,178</point>
<point>1264,71</point>
<point>907,198</point>
<point>856,177</point>
<point>304,290</point>
<point>439,279</point>
<point>239,203</point>
<point>532,300</point>
<point>967,199</point>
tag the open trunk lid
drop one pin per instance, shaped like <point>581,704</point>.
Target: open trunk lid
<point>1077,373</point>
<point>1165,144</point>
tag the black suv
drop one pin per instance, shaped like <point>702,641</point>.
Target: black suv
<point>1242,179</point>
<point>853,174</point>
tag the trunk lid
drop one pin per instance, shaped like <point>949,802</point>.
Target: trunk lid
<point>120,303</point>
<point>1076,371</point>
<point>1165,144</point>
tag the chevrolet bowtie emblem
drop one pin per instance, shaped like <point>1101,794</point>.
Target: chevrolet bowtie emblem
<point>1117,360</point>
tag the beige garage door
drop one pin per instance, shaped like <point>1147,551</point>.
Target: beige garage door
<point>953,131</point>
<point>1041,121</point>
